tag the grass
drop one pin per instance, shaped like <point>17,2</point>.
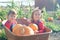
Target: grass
<point>54,27</point>
<point>2,35</point>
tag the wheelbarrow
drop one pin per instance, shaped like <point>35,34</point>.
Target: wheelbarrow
<point>38,36</point>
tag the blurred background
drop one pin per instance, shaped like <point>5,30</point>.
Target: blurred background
<point>50,8</point>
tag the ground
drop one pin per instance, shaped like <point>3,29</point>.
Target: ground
<point>55,36</point>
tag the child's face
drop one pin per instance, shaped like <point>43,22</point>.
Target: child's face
<point>12,16</point>
<point>37,15</point>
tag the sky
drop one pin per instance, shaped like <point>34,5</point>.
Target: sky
<point>24,2</point>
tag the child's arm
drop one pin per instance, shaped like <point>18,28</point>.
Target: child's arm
<point>7,24</point>
<point>41,27</point>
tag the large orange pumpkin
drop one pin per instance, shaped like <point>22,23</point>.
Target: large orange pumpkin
<point>22,30</point>
<point>28,31</point>
<point>18,29</point>
<point>33,26</point>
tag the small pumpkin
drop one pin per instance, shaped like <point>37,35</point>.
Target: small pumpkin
<point>50,18</point>
<point>33,26</point>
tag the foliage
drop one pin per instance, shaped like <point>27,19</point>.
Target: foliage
<point>53,26</point>
<point>3,35</point>
<point>45,14</point>
<point>57,12</point>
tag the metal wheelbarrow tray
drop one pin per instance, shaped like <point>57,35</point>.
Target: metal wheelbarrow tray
<point>39,36</point>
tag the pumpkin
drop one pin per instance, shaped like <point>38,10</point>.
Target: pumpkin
<point>50,18</point>
<point>28,31</point>
<point>22,30</point>
<point>18,29</point>
<point>33,26</point>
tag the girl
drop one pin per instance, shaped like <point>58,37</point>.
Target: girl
<point>36,15</point>
<point>11,19</point>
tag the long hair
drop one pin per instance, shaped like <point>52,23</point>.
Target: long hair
<point>36,9</point>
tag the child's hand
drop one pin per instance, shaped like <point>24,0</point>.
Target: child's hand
<point>36,32</point>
